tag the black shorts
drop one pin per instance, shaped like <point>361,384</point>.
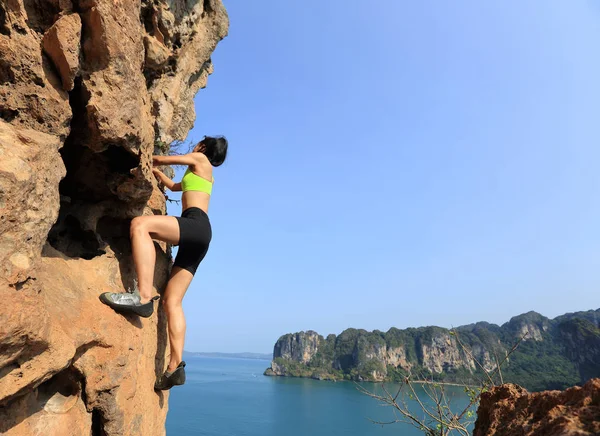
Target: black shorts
<point>195,234</point>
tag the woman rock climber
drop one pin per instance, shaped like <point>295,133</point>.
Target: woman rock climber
<point>192,232</point>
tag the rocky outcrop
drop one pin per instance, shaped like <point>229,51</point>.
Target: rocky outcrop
<point>553,354</point>
<point>62,44</point>
<point>441,352</point>
<point>510,410</point>
<point>362,355</point>
<point>87,89</point>
<point>300,347</point>
<point>531,326</point>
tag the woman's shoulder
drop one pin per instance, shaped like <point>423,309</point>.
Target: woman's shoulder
<point>199,159</point>
<point>202,167</point>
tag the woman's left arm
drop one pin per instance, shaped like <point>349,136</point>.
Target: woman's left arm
<point>183,159</point>
<point>169,184</point>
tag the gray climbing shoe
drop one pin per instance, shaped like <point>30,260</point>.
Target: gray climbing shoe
<point>126,302</point>
<point>170,379</point>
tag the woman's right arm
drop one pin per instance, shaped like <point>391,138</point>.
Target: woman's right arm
<point>170,184</point>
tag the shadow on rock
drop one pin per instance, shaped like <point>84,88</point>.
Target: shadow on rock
<point>61,395</point>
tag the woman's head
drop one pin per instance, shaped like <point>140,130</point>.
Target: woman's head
<point>214,148</point>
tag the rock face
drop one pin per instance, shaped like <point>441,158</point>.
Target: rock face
<point>510,410</point>
<point>554,353</point>
<point>300,347</point>
<point>87,89</point>
<point>62,44</point>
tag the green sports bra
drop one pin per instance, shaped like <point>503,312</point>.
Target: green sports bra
<point>193,182</point>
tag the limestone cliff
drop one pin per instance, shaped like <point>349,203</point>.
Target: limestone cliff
<point>555,353</point>
<point>300,347</point>
<point>88,88</point>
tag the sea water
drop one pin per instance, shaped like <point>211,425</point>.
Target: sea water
<point>232,397</point>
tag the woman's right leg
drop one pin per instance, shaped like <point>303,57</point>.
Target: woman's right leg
<point>143,230</point>
<point>172,298</point>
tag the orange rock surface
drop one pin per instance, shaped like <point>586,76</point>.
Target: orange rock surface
<point>510,410</point>
<point>88,88</point>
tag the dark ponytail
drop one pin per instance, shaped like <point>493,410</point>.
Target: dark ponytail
<point>215,149</point>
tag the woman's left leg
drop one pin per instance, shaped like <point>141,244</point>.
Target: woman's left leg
<point>143,230</point>
<point>172,301</point>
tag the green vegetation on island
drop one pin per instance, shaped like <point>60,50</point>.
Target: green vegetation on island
<point>554,354</point>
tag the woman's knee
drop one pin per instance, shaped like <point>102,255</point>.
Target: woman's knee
<point>138,225</point>
<point>171,304</point>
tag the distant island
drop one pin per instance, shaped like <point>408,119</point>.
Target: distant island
<point>555,354</point>
<point>256,356</point>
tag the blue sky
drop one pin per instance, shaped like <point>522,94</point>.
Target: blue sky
<point>398,164</point>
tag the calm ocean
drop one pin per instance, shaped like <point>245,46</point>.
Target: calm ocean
<point>224,397</point>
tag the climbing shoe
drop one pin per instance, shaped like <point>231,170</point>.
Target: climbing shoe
<point>128,303</point>
<point>170,379</point>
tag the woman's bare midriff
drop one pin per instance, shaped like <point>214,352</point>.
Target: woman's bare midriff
<point>195,199</point>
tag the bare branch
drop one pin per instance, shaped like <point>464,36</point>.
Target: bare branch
<point>464,348</point>
<point>512,350</point>
<point>499,369</point>
<point>438,418</point>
